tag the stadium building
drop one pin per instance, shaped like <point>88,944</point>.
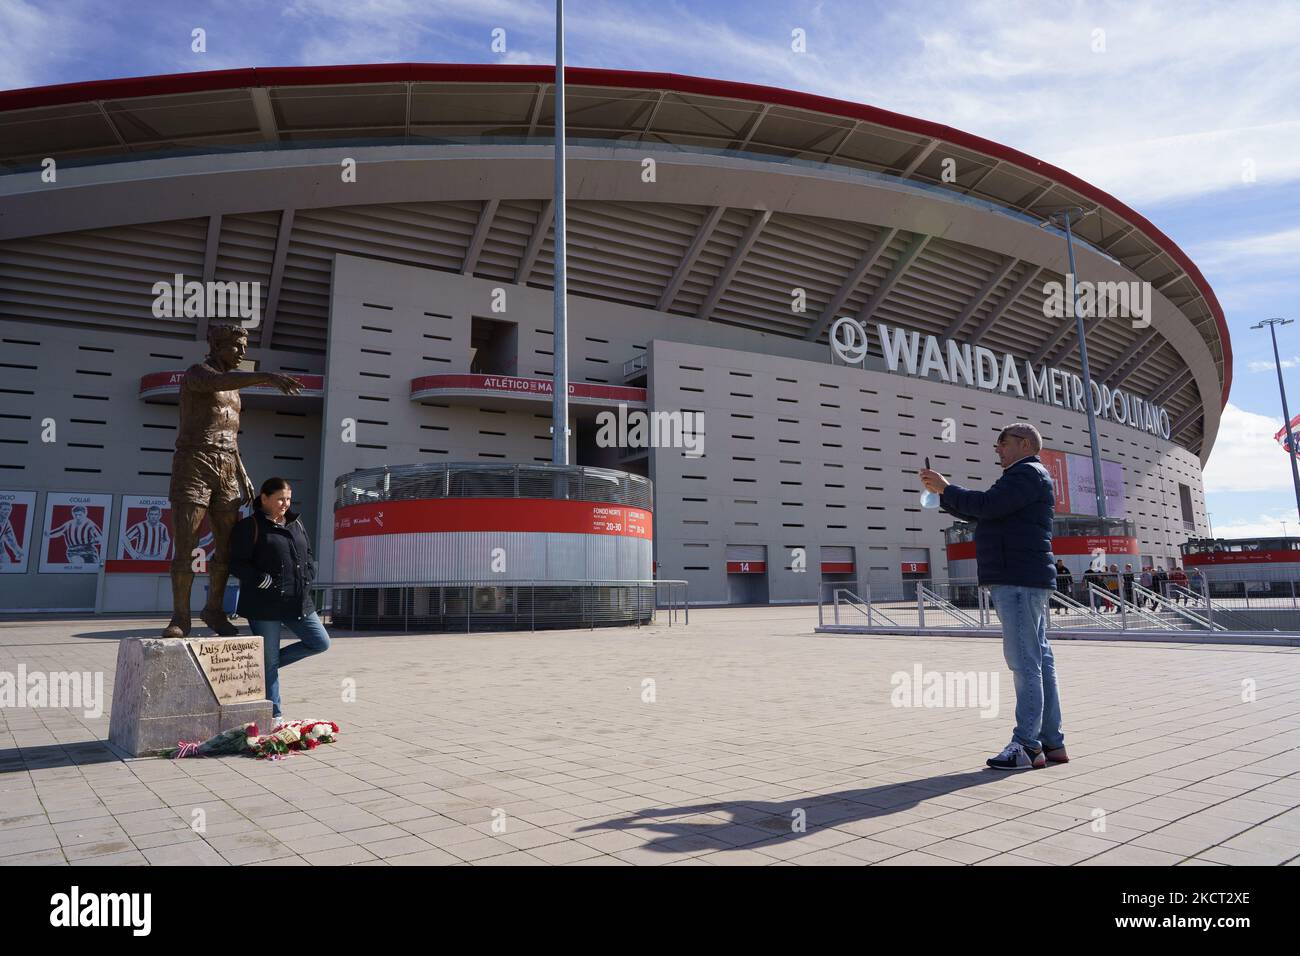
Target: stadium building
<point>839,291</point>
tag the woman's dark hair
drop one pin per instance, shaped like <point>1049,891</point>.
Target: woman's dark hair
<point>272,485</point>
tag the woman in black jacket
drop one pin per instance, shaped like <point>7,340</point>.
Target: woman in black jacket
<point>272,557</point>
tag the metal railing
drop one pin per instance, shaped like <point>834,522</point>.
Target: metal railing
<point>927,597</point>
<point>489,480</point>
<point>1127,608</point>
<point>1167,606</point>
<point>964,605</point>
<point>843,597</point>
<point>637,364</point>
<point>1241,599</point>
<point>960,605</point>
<point>1074,614</point>
<point>501,605</point>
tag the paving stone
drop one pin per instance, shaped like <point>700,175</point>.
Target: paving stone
<point>756,719</point>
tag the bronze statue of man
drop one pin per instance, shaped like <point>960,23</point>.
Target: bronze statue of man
<point>207,473</point>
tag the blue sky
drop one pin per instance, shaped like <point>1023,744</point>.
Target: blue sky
<point>1180,102</point>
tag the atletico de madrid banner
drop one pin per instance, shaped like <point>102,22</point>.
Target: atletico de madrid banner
<point>76,528</point>
<point>17,512</point>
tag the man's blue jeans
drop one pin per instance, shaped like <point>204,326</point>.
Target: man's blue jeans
<point>1023,612</point>
<point>312,639</point>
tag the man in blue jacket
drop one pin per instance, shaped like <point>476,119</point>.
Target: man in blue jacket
<point>1013,555</point>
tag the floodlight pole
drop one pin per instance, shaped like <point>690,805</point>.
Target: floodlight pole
<point>560,359</point>
<point>1064,218</point>
<point>1286,414</point>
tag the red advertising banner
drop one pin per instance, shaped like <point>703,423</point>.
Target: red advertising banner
<point>1088,544</point>
<point>1067,544</point>
<point>492,514</point>
<point>1244,557</point>
<point>1057,467</point>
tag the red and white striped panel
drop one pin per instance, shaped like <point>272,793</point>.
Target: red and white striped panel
<point>482,539</point>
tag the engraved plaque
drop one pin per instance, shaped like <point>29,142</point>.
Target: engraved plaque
<point>233,666</point>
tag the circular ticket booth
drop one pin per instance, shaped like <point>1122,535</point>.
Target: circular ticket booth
<point>472,546</point>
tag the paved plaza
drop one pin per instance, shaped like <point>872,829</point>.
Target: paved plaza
<point>744,738</point>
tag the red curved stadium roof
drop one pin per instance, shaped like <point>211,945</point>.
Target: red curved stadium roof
<point>71,93</point>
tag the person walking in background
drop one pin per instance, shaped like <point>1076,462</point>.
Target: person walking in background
<point>1093,576</point>
<point>1159,580</point>
<point>1112,585</point>
<point>1013,557</point>
<point>1178,578</point>
<point>1146,580</point>
<point>1128,583</point>
<point>1064,582</point>
<point>271,556</point>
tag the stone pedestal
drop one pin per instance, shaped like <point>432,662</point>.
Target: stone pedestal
<point>161,696</point>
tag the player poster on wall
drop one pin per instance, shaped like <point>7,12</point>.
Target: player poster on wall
<point>17,512</point>
<point>76,526</point>
<point>145,531</point>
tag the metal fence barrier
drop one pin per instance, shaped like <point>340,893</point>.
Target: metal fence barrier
<point>1108,602</point>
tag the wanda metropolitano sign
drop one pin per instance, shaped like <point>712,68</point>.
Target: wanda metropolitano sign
<point>960,363</point>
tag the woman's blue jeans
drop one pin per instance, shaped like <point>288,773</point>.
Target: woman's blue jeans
<point>312,639</point>
<point>1023,612</point>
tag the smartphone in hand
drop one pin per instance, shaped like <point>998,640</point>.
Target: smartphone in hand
<point>929,500</point>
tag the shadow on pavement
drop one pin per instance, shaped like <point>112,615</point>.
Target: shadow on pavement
<point>48,756</point>
<point>830,809</point>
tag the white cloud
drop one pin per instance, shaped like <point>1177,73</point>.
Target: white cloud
<point>35,41</point>
<point>1271,366</point>
<point>1246,457</point>
<point>1267,249</point>
<point>1260,526</point>
<point>1182,97</point>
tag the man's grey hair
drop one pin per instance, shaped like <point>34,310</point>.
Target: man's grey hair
<point>1023,430</point>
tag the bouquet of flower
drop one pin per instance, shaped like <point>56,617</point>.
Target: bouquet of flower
<point>294,735</point>
<point>285,737</point>
<point>233,741</point>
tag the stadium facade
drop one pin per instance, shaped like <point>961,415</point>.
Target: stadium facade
<point>386,234</point>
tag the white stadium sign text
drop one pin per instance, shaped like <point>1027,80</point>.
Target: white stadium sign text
<point>959,363</point>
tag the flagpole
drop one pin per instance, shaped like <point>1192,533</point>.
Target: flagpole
<point>560,359</point>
